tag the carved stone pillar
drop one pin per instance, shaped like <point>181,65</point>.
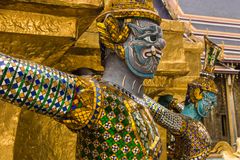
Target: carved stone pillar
<point>218,117</point>
<point>237,102</point>
<point>231,108</point>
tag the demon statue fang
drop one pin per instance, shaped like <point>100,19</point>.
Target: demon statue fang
<point>111,115</point>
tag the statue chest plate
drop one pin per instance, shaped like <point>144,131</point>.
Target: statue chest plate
<point>123,131</point>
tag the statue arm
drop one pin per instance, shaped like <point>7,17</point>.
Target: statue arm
<point>187,108</point>
<point>46,91</point>
<point>173,122</point>
<point>192,133</point>
<point>171,103</point>
<point>200,99</point>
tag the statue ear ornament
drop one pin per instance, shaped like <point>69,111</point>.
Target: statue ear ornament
<point>112,35</point>
<point>196,95</point>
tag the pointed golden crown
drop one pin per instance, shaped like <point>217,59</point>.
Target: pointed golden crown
<point>213,53</point>
<point>130,9</point>
<point>205,81</point>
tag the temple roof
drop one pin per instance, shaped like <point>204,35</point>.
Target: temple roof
<point>221,19</point>
<point>218,19</point>
<point>214,8</point>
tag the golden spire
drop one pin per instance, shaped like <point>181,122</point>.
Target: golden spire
<point>212,52</point>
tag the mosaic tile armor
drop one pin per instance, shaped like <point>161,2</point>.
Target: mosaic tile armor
<point>122,130</point>
<point>36,87</point>
<point>193,140</point>
<point>111,123</point>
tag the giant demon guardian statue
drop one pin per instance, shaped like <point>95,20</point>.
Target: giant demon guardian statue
<point>112,116</point>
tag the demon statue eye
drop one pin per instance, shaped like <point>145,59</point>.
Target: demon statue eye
<point>151,38</point>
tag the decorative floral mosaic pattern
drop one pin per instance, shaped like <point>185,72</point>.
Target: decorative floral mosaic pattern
<point>117,134</point>
<point>113,136</point>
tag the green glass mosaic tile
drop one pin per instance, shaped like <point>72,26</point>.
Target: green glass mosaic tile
<point>99,149</point>
<point>108,109</point>
<point>132,134</point>
<point>125,113</point>
<point>112,130</point>
<point>130,155</point>
<point>117,101</point>
<point>121,143</point>
<point>109,151</point>
<point>104,119</point>
<point>125,122</point>
<point>117,111</point>
<point>101,130</point>
<point>131,145</point>
<point>115,120</point>
<point>110,141</point>
<point>140,155</point>
<point>109,99</point>
<point>119,154</point>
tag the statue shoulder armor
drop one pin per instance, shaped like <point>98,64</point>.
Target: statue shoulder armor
<point>86,103</point>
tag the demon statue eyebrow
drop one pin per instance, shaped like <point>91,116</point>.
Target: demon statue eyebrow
<point>141,32</point>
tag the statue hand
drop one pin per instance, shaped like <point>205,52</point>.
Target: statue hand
<point>165,100</point>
